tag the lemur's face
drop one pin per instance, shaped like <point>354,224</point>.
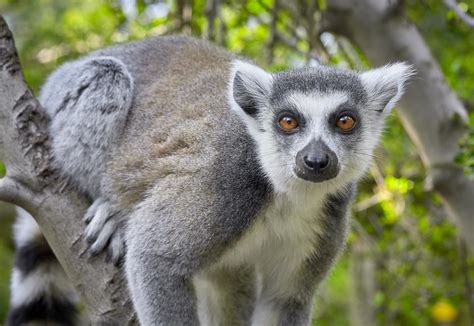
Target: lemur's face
<point>315,125</point>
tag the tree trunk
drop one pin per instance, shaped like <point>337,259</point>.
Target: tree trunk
<point>33,184</point>
<point>430,111</point>
<point>363,284</point>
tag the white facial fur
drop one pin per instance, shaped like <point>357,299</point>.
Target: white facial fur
<point>383,88</point>
<point>318,107</point>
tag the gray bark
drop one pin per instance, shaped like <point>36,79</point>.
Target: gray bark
<point>430,111</point>
<point>363,284</point>
<point>453,5</point>
<point>32,184</point>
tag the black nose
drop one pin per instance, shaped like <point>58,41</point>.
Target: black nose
<point>316,162</point>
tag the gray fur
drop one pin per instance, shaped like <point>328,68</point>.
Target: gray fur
<point>226,296</point>
<point>197,169</point>
<point>88,101</point>
<point>321,78</point>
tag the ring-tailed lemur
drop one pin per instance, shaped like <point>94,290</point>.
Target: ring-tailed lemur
<point>233,183</point>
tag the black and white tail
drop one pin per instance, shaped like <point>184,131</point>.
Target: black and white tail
<point>40,291</point>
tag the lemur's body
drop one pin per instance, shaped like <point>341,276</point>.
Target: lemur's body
<point>178,139</point>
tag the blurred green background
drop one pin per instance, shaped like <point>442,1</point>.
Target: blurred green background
<point>405,263</point>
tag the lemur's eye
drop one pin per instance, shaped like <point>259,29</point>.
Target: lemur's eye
<point>345,122</point>
<point>288,122</point>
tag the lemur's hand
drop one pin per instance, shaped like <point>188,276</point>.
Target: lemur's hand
<point>104,231</point>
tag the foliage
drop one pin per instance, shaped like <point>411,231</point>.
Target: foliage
<point>419,271</point>
<point>452,43</point>
<point>466,157</point>
<point>6,263</point>
<point>418,263</point>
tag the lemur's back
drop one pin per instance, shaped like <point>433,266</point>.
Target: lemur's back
<point>180,104</point>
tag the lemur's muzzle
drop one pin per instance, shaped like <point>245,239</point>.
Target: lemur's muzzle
<point>316,162</point>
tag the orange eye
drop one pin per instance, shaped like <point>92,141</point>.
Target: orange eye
<point>288,122</point>
<point>345,122</point>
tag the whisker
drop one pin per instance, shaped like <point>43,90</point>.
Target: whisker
<point>367,154</point>
<point>269,153</point>
<point>280,165</point>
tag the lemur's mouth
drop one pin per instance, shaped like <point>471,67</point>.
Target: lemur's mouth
<point>316,162</point>
<point>315,177</point>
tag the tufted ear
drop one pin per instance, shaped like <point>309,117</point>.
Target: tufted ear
<point>385,85</point>
<point>250,87</point>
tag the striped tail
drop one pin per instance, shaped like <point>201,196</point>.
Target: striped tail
<point>40,291</point>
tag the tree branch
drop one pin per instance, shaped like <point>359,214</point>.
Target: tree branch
<point>466,18</point>
<point>211,11</point>
<point>430,111</point>
<point>33,183</point>
<point>16,193</point>
<point>272,38</point>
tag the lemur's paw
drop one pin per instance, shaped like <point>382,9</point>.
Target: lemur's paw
<point>103,230</point>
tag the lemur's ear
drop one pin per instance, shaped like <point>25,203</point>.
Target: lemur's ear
<point>385,85</point>
<point>250,87</point>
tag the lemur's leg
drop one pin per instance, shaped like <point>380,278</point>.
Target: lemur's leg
<point>285,304</point>
<point>160,282</point>
<point>173,236</point>
<point>226,296</point>
<point>40,291</point>
<point>159,265</point>
<point>88,102</point>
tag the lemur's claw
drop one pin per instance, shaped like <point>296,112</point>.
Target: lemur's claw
<point>102,231</point>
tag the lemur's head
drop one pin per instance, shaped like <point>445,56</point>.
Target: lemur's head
<point>315,125</point>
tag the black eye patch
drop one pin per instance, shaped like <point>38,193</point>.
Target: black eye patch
<point>345,109</point>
